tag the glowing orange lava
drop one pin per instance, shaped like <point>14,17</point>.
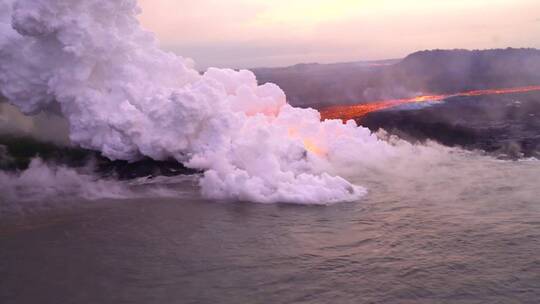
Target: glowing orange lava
<point>346,112</point>
<point>313,148</point>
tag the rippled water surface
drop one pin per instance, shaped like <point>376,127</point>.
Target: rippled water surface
<point>455,233</point>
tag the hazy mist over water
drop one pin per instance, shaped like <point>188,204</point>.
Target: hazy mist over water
<point>459,232</point>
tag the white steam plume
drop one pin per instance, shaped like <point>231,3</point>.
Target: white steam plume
<point>125,97</point>
<point>41,181</point>
<point>53,187</point>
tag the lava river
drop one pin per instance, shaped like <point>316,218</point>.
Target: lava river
<point>346,112</point>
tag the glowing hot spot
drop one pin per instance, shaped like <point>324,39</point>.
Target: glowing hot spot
<point>313,148</point>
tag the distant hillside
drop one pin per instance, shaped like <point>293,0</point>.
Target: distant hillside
<point>312,84</point>
<point>444,71</point>
<point>436,71</point>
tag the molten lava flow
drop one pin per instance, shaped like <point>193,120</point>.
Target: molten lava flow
<point>346,112</point>
<point>309,144</point>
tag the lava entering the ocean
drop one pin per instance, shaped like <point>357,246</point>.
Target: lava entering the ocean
<point>346,112</point>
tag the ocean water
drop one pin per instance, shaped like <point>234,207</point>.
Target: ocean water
<point>463,231</point>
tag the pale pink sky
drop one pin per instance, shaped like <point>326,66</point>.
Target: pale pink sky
<point>252,33</point>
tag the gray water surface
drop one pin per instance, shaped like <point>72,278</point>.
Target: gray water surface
<point>463,238</point>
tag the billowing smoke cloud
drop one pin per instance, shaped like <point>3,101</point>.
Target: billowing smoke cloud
<point>125,97</point>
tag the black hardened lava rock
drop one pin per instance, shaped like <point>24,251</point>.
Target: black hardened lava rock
<point>16,153</point>
<point>145,167</point>
<point>507,125</point>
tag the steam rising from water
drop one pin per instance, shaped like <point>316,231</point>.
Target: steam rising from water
<point>41,181</point>
<point>125,97</point>
<point>46,186</point>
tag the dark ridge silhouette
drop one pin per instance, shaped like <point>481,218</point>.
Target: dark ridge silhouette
<point>450,71</point>
<point>323,84</point>
<point>435,71</point>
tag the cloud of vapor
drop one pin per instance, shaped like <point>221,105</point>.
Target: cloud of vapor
<point>41,181</point>
<point>125,97</point>
<point>45,186</point>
